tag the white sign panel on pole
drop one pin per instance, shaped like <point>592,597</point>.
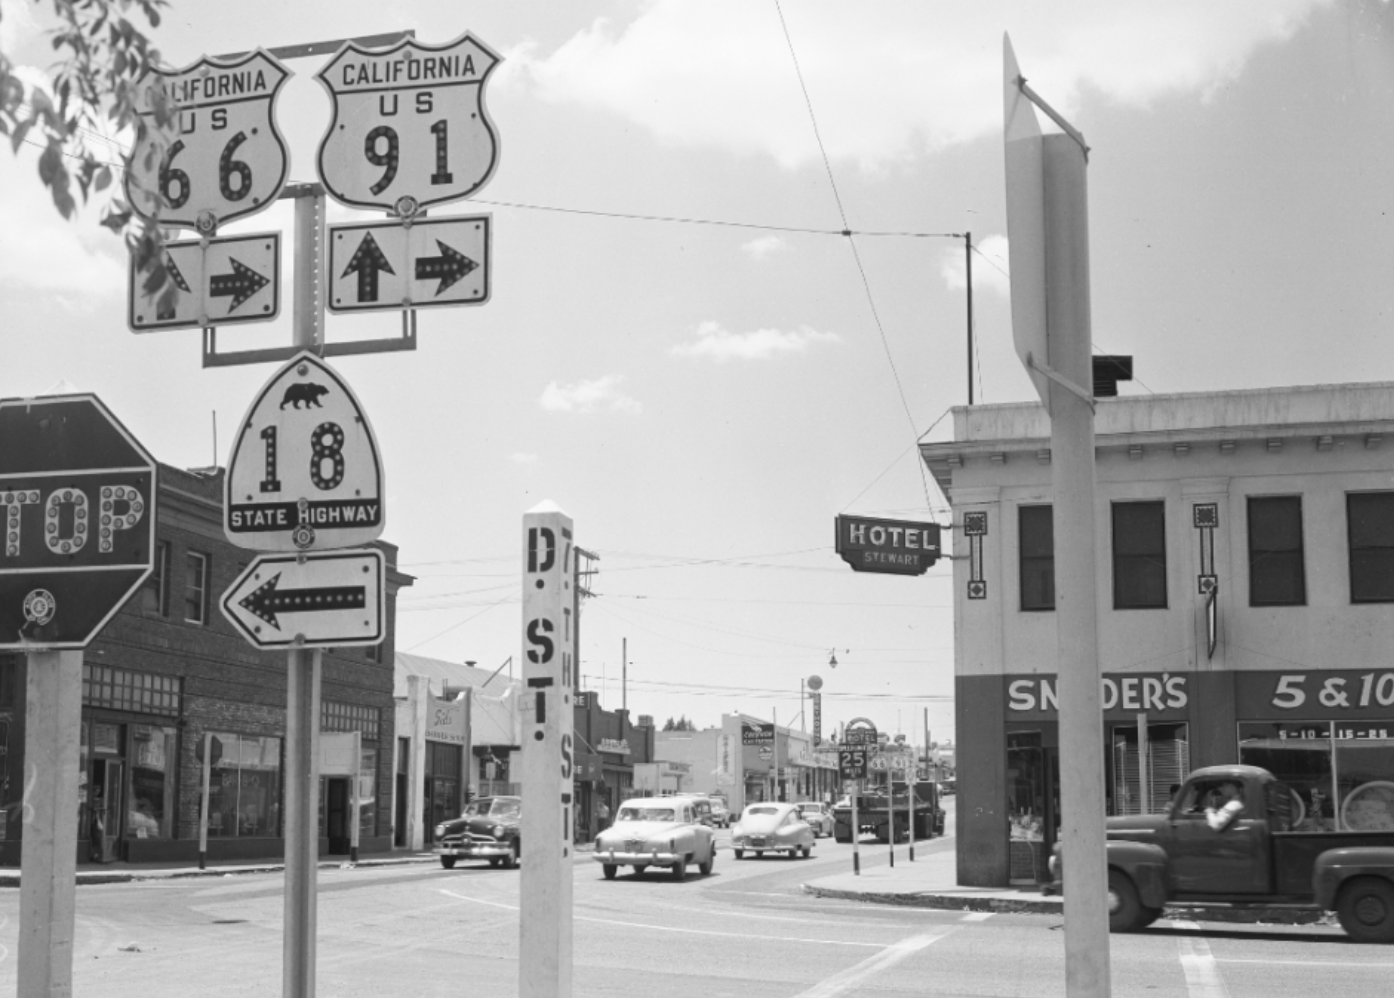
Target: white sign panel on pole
<point>409,127</point>
<point>320,599</point>
<point>549,639</point>
<point>1025,174</point>
<point>388,265</point>
<point>230,279</point>
<point>227,159</point>
<point>305,470</point>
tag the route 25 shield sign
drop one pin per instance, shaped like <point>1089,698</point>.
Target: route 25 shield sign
<point>305,471</point>
<point>409,127</point>
<point>226,159</point>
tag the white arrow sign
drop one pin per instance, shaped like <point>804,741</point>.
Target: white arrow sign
<point>320,599</point>
<point>387,265</point>
<point>226,280</point>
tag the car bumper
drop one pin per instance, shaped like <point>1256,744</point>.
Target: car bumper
<point>475,850</point>
<point>628,857</point>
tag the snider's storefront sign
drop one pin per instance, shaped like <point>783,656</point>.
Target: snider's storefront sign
<point>1161,696</point>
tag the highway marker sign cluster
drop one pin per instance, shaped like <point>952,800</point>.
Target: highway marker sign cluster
<point>387,265</point>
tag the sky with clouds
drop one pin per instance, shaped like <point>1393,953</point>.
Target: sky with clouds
<point>729,294</point>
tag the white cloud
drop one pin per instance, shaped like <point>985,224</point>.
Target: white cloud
<point>990,269</point>
<point>520,457</point>
<point>588,396</point>
<point>712,342</point>
<point>719,73</point>
<point>765,246</point>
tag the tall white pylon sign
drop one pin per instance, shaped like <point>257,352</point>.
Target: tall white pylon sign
<point>549,672</point>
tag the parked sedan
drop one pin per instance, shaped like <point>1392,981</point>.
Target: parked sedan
<point>656,831</point>
<point>720,815</point>
<point>772,828</point>
<point>818,815</point>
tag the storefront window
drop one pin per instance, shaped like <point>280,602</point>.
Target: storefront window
<point>152,791</point>
<point>1168,762</point>
<point>1033,805</point>
<point>245,789</point>
<point>1341,780</point>
<point>367,791</point>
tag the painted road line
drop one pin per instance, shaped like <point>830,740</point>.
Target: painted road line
<point>1307,963</point>
<point>851,978</point>
<point>1203,978</point>
<point>689,932</point>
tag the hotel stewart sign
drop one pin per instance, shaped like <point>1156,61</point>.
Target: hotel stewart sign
<point>893,547</point>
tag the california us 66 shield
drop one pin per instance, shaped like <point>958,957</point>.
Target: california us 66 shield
<point>409,127</point>
<point>225,159</point>
<point>305,472</point>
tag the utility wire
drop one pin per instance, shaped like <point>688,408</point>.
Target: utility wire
<point>847,231</point>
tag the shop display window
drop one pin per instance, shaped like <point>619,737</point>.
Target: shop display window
<point>1341,777</point>
<point>1033,805</point>
<point>151,795</point>
<point>1168,762</point>
<point>245,789</point>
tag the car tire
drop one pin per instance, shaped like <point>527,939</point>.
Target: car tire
<point>807,851</point>
<point>495,861</point>
<point>610,870</point>
<point>759,854</point>
<point>706,868</point>
<point>679,870</point>
<point>1124,907</point>
<point>640,869</point>
<point>510,862</point>
<point>1365,908</point>
<point>740,853</point>
<point>448,862</point>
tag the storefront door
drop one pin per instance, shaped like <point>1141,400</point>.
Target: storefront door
<point>336,815</point>
<point>1033,805</point>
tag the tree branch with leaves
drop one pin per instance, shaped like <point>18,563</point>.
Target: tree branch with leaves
<point>91,93</point>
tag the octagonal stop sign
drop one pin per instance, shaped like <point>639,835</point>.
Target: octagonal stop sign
<point>77,502</point>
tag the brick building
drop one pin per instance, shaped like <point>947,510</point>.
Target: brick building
<point>169,668</point>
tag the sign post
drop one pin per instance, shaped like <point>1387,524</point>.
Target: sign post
<point>77,494</point>
<point>858,743</point>
<point>549,664</point>
<point>1047,211</point>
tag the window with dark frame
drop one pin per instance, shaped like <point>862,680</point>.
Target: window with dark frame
<point>155,593</point>
<point>1036,546</point>
<point>1370,529</point>
<point>1277,572</point>
<point>1139,556</point>
<point>196,587</point>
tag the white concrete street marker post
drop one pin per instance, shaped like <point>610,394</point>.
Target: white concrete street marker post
<point>549,665</point>
<point>1048,231</point>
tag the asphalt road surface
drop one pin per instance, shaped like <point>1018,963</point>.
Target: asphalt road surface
<point>419,931</point>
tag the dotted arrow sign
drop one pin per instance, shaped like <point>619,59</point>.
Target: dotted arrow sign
<point>266,601</point>
<point>315,600</point>
<point>367,261</point>
<point>450,266</point>
<point>240,285</point>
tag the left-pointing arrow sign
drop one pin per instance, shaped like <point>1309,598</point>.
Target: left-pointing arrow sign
<point>318,599</point>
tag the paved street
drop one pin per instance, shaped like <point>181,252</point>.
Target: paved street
<point>418,930</point>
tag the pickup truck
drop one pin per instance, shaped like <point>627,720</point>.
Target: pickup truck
<point>1196,854</point>
<point>872,816</point>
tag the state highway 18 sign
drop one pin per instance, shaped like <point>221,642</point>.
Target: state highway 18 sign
<point>409,127</point>
<point>315,600</point>
<point>77,495</point>
<point>305,471</point>
<point>227,158</point>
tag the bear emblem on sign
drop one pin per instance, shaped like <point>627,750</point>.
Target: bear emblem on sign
<point>307,392</point>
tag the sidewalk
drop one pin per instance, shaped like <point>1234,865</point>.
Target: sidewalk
<point>89,874</point>
<point>932,882</point>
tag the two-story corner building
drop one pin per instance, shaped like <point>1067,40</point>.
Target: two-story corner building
<point>167,670</point>
<point>1245,566</point>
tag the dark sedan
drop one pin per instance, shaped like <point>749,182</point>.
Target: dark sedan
<point>486,829</point>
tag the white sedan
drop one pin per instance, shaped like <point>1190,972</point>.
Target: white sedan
<point>656,831</point>
<point>817,815</point>
<point>772,828</point>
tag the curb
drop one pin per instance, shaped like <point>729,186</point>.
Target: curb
<point>1006,905</point>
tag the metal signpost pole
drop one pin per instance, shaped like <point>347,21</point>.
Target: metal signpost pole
<point>48,859</point>
<point>856,830</point>
<point>545,930</point>
<point>203,802</point>
<point>354,829</point>
<point>304,670</point>
<point>910,794</point>
<point>890,810</point>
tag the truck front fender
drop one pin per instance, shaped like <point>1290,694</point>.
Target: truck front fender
<point>1146,864</point>
<point>1335,866</point>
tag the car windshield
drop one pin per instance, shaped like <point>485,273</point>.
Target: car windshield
<point>762,810</point>
<point>646,814</point>
<point>491,809</point>
<point>810,808</point>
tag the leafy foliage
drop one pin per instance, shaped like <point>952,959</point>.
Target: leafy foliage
<point>681,724</point>
<point>93,91</point>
